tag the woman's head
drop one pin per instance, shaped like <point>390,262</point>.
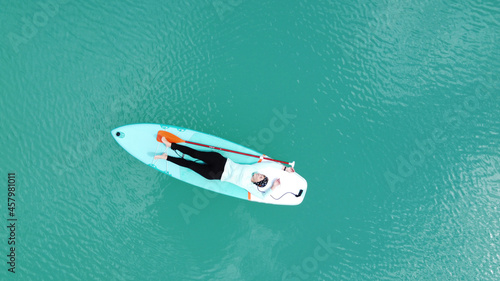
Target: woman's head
<point>259,180</point>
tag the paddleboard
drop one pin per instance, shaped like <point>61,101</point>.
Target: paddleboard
<point>140,140</point>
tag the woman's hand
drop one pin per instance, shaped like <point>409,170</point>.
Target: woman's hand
<point>276,184</point>
<point>290,169</point>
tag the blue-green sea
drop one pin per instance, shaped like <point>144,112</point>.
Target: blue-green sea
<point>390,109</point>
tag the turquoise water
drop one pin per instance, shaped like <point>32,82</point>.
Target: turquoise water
<point>389,108</point>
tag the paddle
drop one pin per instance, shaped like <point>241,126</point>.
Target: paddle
<point>175,139</point>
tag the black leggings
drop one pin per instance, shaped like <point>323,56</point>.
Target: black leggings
<point>213,167</point>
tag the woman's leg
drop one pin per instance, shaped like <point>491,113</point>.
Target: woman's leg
<point>207,171</point>
<point>211,158</point>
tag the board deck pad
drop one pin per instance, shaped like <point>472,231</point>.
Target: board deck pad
<point>140,140</point>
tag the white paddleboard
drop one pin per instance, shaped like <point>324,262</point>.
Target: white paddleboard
<point>140,141</point>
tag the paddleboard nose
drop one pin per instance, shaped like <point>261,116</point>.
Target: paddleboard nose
<point>118,134</point>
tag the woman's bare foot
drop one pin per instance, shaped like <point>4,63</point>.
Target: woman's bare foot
<point>166,142</point>
<point>163,156</point>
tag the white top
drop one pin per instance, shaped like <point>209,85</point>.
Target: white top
<point>241,175</point>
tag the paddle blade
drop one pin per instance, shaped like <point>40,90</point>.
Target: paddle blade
<point>169,136</point>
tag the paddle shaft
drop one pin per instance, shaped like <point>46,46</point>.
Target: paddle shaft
<point>175,139</point>
<point>228,150</point>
